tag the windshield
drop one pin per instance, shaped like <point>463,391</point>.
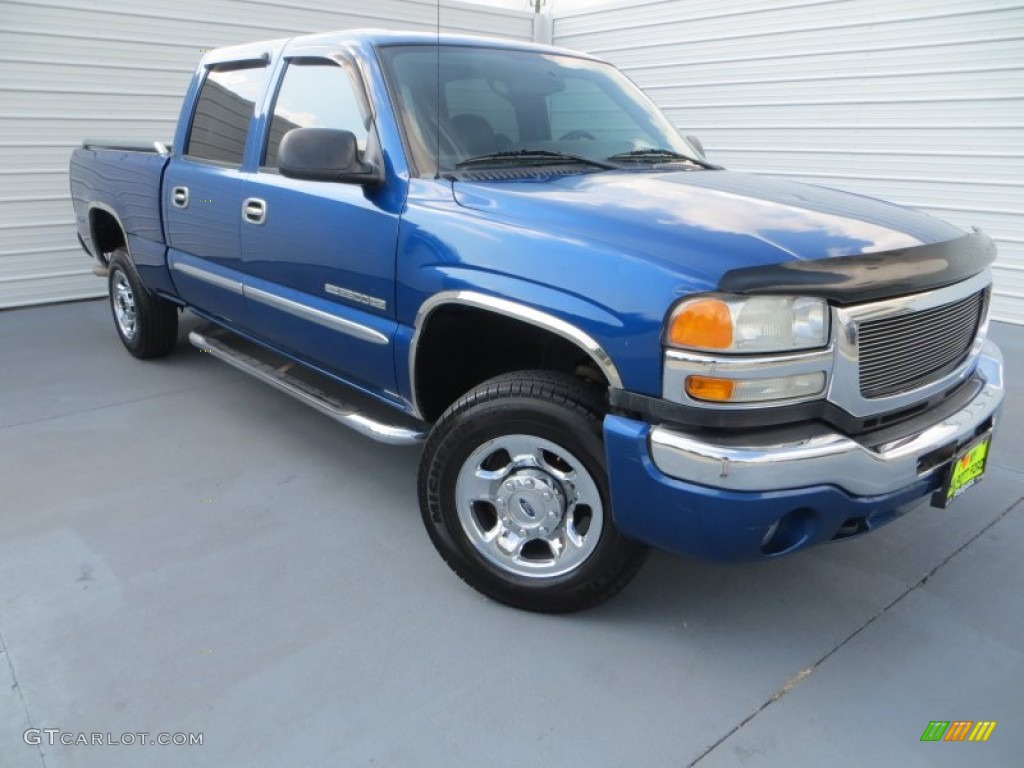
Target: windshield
<point>499,102</point>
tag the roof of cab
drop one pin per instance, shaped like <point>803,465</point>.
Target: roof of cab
<point>368,38</point>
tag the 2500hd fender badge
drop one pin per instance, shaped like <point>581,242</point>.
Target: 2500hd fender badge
<point>359,298</point>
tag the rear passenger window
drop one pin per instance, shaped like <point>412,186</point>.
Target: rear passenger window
<point>223,111</point>
<point>314,94</point>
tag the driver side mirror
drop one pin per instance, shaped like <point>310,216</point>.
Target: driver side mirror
<point>324,154</point>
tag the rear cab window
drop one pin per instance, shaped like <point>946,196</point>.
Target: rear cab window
<point>223,113</point>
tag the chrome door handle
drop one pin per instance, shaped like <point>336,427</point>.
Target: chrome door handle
<point>254,210</point>
<point>179,197</point>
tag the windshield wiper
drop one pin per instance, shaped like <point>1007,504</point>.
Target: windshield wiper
<point>534,157</point>
<point>653,155</point>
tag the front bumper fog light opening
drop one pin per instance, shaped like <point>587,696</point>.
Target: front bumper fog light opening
<point>789,532</point>
<point>852,526</point>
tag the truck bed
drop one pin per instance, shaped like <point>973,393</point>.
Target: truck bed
<point>123,178</point>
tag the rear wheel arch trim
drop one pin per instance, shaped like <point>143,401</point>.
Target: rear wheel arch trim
<point>99,253</point>
<point>517,311</point>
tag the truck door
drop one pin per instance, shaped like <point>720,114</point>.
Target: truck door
<point>319,256</point>
<point>203,192</point>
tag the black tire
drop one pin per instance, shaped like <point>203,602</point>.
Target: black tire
<point>475,438</point>
<point>147,324</point>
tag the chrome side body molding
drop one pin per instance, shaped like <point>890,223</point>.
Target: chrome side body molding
<point>317,316</point>
<point>235,286</point>
<point>326,319</point>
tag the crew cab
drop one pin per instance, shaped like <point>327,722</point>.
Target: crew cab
<point>604,342</point>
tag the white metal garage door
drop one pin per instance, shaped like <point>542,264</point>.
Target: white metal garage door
<point>920,102</point>
<point>71,69</point>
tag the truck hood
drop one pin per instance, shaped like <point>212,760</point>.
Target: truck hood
<point>704,223</point>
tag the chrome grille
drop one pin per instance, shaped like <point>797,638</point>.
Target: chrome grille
<point>907,351</point>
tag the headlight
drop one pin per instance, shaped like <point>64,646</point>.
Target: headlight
<point>746,324</point>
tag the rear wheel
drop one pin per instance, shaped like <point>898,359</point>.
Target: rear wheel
<point>147,324</point>
<point>514,494</point>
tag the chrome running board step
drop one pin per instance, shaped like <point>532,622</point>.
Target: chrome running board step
<point>242,354</point>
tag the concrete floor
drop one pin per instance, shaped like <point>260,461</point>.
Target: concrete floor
<point>183,549</point>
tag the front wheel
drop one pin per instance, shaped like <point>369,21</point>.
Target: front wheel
<point>514,494</point>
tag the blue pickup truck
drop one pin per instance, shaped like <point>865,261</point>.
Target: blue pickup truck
<point>603,341</point>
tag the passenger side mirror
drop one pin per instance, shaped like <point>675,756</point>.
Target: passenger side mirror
<point>696,144</point>
<point>324,154</point>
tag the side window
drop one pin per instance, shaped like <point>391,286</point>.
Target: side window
<point>314,94</point>
<point>223,111</point>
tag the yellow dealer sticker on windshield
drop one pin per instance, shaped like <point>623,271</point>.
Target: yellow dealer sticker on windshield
<point>967,469</point>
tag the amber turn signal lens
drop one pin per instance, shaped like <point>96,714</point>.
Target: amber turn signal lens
<point>704,324</point>
<point>708,388</point>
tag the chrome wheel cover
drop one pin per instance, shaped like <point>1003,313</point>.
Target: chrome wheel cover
<point>123,300</point>
<point>529,506</point>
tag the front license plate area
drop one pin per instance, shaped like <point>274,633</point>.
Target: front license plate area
<point>964,471</point>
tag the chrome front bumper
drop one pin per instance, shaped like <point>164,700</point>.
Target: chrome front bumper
<point>825,457</point>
